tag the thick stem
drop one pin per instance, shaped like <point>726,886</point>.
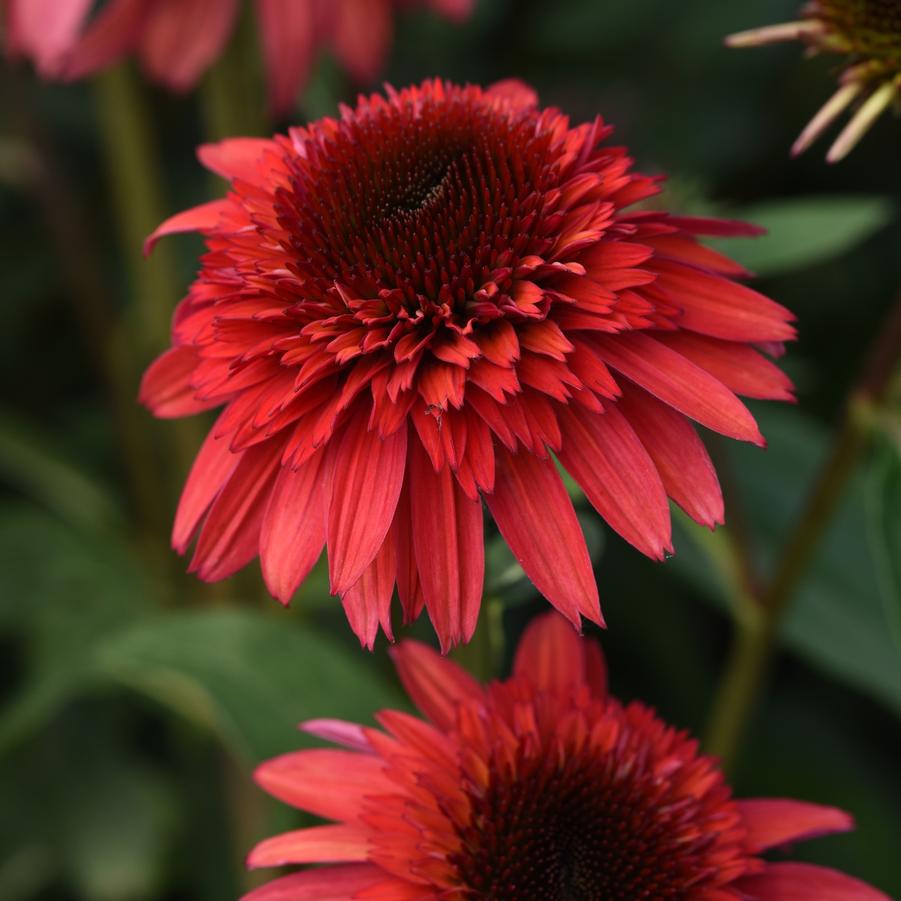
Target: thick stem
<point>754,645</point>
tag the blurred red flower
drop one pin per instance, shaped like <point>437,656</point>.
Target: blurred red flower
<point>407,310</point>
<point>177,40</point>
<point>540,787</point>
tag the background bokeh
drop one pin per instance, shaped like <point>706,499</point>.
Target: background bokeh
<point>135,702</point>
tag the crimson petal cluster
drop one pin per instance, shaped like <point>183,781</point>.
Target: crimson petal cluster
<point>418,306</point>
<point>540,788</point>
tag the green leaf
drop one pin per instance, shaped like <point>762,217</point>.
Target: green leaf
<point>253,677</point>
<point>802,232</point>
<point>837,620</point>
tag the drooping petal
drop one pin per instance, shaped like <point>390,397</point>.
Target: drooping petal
<point>362,35</point>
<point>112,33</point>
<point>318,844</point>
<point>678,453</point>
<point>180,40</point>
<point>450,548</point>
<point>230,536</point>
<point>367,604</point>
<point>435,685</point>
<point>553,657</point>
<point>45,30</point>
<point>604,455</point>
<point>166,385</point>
<point>201,218</point>
<point>293,530</point>
<point>536,517</point>
<point>678,382</point>
<point>330,784</point>
<point>366,482</point>
<point>774,822</point>
<point>288,32</point>
<point>806,882</point>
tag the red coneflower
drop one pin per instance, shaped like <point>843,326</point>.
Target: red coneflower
<point>868,32</point>
<point>407,310</point>
<point>540,787</point>
<point>177,40</point>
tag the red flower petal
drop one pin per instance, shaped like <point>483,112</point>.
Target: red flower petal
<point>318,844</point>
<point>806,882</point>
<point>339,883</point>
<point>449,544</point>
<point>773,822</point>
<point>331,784</point>
<point>552,657</point>
<point>678,453</point>
<point>288,35</point>
<point>367,603</point>
<point>604,455</point>
<point>166,385</point>
<point>235,157</point>
<point>366,482</point>
<point>435,685</point>
<point>199,218</point>
<point>293,530</point>
<point>536,517</point>
<point>349,735</point>
<point>678,382</point>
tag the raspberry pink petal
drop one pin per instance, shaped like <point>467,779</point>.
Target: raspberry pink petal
<point>230,536</point>
<point>201,218</point>
<point>719,228</point>
<point>340,732</point>
<point>604,455</point>
<point>181,39</point>
<point>435,685</point>
<point>288,35</point>
<point>210,471</point>
<point>774,822</point>
<point>678,453</point>
<point>45,30</point>
<point>112,33</point>
<point>536,517</point>
<point>552,656</point>
<point>678,382</point>
<point>806,882</point>
<point>449,544</point>
<point>339,883</point>
<point>515,92</point>
<point>319,844</point>
<point>331,784</point>
<point>366,482</point>
<point>293,531</point>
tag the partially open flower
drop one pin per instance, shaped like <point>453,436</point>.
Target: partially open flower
<point>177,40</point>
<point>415,307</point>
<point>540,788</point>
<point>868,34</point>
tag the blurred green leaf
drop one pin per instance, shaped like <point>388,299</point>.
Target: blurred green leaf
<point>251,676</point>
<point>804,231</point>
<point>837,620</point>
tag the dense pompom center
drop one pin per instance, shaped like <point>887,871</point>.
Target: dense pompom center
<point>590,826</point>
<point>420,203</point>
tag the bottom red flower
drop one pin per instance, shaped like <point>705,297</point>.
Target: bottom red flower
<point>540,787</point>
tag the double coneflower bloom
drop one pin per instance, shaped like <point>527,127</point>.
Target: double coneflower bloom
<point>540,787</point>
<point>868,34</point>
<point>429,302</point>
<point>177,40</point>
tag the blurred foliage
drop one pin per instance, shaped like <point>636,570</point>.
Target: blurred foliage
<point>136,701</point>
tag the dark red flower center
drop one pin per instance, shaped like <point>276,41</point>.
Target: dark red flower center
<point>589,826</point>
<point>419,204</point>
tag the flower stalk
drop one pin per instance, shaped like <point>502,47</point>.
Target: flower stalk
<point>755,642</point>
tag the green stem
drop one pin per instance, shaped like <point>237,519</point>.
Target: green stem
<point>748,664</point>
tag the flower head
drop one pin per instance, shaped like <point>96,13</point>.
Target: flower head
<point>409,309</point>
<point>541,787</point>
<point>177,40</point>
<point>868,33</point>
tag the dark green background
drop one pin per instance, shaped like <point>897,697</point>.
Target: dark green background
<point>135,702</point>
